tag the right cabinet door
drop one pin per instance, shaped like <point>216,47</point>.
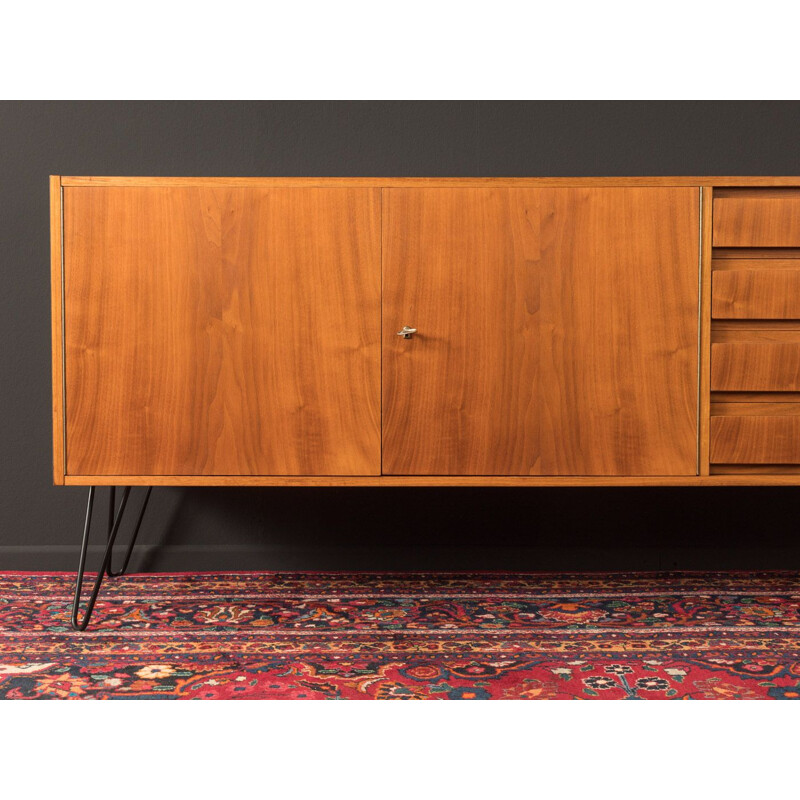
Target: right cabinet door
<point>557,331</point>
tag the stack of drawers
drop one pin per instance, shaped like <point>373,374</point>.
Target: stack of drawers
<point>755,331</point>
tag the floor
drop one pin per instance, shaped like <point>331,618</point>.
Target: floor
<point>261,635</point>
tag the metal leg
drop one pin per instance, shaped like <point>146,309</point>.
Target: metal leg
<point>105,568</point>
<point>110,572</point>
<point>112,507</point>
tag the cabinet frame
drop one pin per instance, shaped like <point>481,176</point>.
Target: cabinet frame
<point>705,184</point>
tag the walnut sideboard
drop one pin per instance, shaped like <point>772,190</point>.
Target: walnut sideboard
<point>424,331</point>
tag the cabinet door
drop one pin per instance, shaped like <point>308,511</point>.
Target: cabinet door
<point>222,331</point>
<point>557,331</point>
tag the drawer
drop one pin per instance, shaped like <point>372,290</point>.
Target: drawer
<point>755,440</point>
<point>763,293</point>
<point>756,218</point>
<point>755,367</point>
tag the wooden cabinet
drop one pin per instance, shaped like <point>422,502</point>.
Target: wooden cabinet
<point>244,331</point>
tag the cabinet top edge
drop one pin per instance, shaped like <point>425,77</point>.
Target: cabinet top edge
<point>433,183</point>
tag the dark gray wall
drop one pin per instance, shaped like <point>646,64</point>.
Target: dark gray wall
<point>366,528</point>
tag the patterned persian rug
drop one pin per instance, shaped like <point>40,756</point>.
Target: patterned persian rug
<point>442,636</point>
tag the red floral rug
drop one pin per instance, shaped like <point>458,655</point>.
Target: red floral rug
<point>406,636</point>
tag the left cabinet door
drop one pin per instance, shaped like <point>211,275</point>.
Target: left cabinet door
<point>221,331</point>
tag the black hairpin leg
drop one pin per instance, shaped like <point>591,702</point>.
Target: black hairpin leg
<point>110,572</point>
<point>114,521</point>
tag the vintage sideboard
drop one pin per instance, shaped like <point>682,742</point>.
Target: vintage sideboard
<point>424,332</point>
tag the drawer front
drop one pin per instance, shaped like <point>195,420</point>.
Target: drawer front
<point>755,440</point>
<point>751,367</point>
<point>756,293</point>
<point>757,219</point>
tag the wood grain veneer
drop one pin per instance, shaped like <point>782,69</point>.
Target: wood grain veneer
<point>761,263</point>
<point>759,470</point>
<point>755,367</point>
<point>744,439</point>
<point>757,219</point>
<point>398,481</point>
<point>217,330</point>
<point>57,321</point>
<point>756,293</point>
<point>548,343</point>
<point>704,329</point>
<point>761,330</point>
<point>755,397</point>
<point>421,183</point>
<point>754,409</point>
<point>761,254</point>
